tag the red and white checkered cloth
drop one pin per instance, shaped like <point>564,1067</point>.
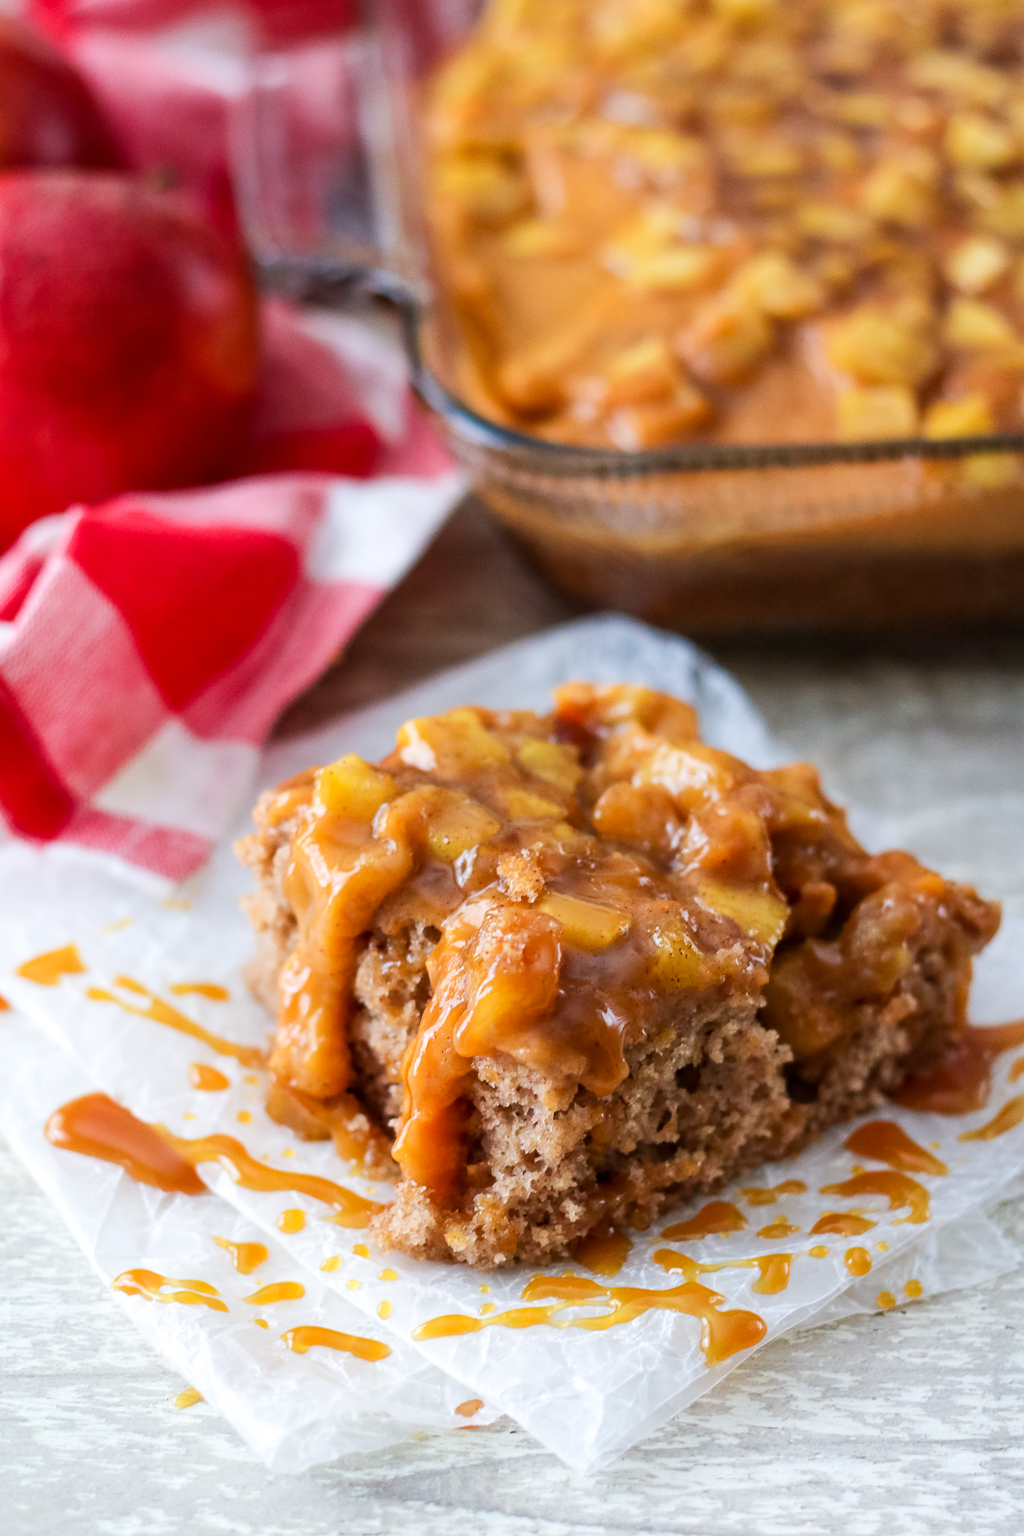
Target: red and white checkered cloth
<point>147,645</point>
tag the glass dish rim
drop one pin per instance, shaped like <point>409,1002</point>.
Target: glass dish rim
<point>567,459</point>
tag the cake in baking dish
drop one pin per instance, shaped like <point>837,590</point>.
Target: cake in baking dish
<point>582,966</point>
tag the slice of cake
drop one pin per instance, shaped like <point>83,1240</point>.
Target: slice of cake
<point>583,967</point>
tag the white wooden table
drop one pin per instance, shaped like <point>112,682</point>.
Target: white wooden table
<point>900,1424</point>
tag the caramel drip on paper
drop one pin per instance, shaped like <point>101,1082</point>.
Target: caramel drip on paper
<point>1016,1071</point>
<point>899,1190</point>
<point>603,1251</point>
<point>244,1256</point>
<point>350,1210</point>
<point>886,1299</point>
<point>188,1398</point>
<point>291,1221</point>
<point>722,1333</point>
<point>884,1141</point>
<point>775,1268</point>
<point>47,970</point>
<point>301,1339</point>
<point>207,1079</point>
<point>1011,1114</point>
<point>96,1126</point>
<point>962,1081</point>
<point>857,1261</point>
<point>842,1225</point>
<point>759,1196</point>
<point>717,1217</point>
<point>190,1293</point>
<point>5,1006</point>
<point>468,1409</point>
<point>778,1229</point>
<point>161,1012</point>
<point>210,989</point>
<point>281,1290</point>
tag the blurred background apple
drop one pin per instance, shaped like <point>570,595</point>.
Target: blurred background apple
<point>129,345</point>
<point>48,115</point>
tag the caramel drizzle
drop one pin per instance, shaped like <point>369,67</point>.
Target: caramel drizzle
<point>760,1196</point>
<point>207,1079</point>
<point>281,1290</point>
<point>604,1250</point>
<point>774,1268</point>
<point>962,1081</point>
<point>884,1141</point>
<point>718,1217</point>
<point>472,1406</point>
<point>95,1126</point>
<point>210,989</point>
<point>350,1210</point>
<point>1011,1115</point>
<point>842,1225</point>
<point>5,1006</point>
<point>47,970</point>
<point>300,1339</point>
<point>857,1261</point>
<point>899,1190</point>
<point>778,1229</point>
<point>722,1333</point>
<point>244,1256</point>
<point>147,1283</point>
<point>1016,1071</point>
<point>161,1012</point>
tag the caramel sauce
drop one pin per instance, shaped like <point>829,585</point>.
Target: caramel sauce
<point>350,1210</point>
<point>190,1293</point>
<point>47,970</point>
<point>162,1013</point>
<point>342,1120</point>
<point>188,1398</point>
<point>207,1079</point>
<point>209,989</point>
<point>777,1229</point>
<point>290,1221</point>
<point>96,1126</point>
<point>384,1310</point>
<point>898,1189</point>
<point>715,1218</point>
<point>244,1256</point>
<point>467,1409</point>
<point>759,1196</point>
<point>961,1082</point>
<point>913,1289</point>
<point>1011,1115</point>
<point>604,1250</point>
<point>775,1268</point>
<point>281,1290</point>
<point>306,1337</point>
<point>1016,1071</point>
<point>5,1006</point>
<point>886,1299</point>
<point>857,1261</point>
<point>722,1333</point>
<point>842,1225</point>
<point>884,1141</point>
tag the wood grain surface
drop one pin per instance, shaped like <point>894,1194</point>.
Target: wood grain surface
<point>903,1424</point>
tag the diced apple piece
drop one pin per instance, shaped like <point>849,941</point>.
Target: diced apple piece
<point>978,142</point>
<point>875,412</point>
<point>354,789</point>
<point>585,924</point>
<point>691,774</point>
<point>970,417</point>
<point>974,326</point>
<point>976,263</point>
<point>524,805</point>
<point>759,913</point>
<point>553,762</point>
<point>660,422</point>
<point>455,746</point>
<point>879,346</point>
<point>458,825</point>
<point>677,964</point>
<point>778,286</point>
<point>727,339</point>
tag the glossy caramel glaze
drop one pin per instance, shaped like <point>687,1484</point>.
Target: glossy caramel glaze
<point>886,1142</point>
<point>350,1210</point>
<point>961,1081</point>
<point>308,1337</point>
<point>96,1126</point>
<point>722,1333</point>
<point>47,970</point>
<point>900,1191</point>
<point>604,1250</point>
<point>244,1256</point>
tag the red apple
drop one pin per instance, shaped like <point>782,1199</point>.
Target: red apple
<point>128,343</point>
<point>48,115</point>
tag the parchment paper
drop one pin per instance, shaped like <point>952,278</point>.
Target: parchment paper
<point>587,1395</point>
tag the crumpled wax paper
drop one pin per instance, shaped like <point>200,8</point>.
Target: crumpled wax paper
<point>294,1410</point>
<point>586,1393</point>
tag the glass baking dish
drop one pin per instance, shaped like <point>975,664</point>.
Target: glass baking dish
<point>707,537</point>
